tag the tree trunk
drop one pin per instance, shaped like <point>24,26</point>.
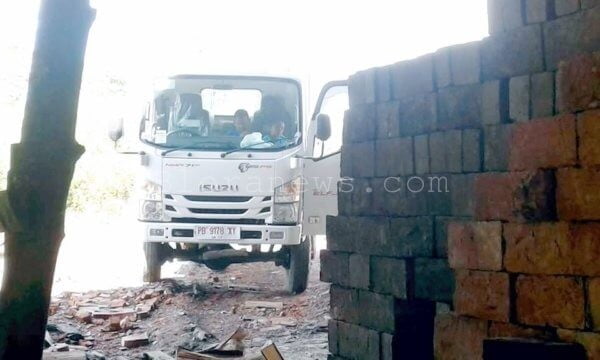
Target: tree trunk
<point>32,209</point>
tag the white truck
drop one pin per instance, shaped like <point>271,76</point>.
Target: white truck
<point>232,172</point>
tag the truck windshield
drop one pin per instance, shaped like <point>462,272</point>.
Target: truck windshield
<point>224,114</point>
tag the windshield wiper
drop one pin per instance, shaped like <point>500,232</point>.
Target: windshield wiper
<point>289,142</point>
<point>194,146</point>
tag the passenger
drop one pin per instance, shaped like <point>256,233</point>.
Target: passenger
<point>275,133</point>
<point>241,121</point>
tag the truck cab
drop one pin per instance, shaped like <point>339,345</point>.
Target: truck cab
<point>232,172</point>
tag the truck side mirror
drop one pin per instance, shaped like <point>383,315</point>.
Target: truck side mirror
<point>116,131</point>
<point>323,127</point>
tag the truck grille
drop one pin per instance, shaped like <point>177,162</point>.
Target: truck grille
<point>232,199</point>
<point>219,221</point>
<point>208,209</point>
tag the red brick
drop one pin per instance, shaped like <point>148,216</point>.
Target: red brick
<point>590,341</point>
<point>543,143</point>
<point>482,294</point>
<point>550,301</point>
<point>515,196</point>
<point>594,301</point>
<point>458,338</point>
<point>475,245</point>
<point>501,329</point>
<point>578,194</point>
<point>588,129</point>
<point>578,83</point>
<point>553,248</point>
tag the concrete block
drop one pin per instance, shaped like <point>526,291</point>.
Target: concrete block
<point>496,147</point>
<point>588,4</point>
<point>434,280</point>
<point>494,102</point>
<point>519,95</point>
<point>445,149</point>
<point>450,327</point>
<point>471,150</point>
<point>350,335</point>
<point>565,7</point>
<point>460,106</point>
<point>542,95</point>
<point>462,194</point>
<point>383,84</point>
<point>377,311</point>
<point>421,143</point>
<point>504,15</point>
<point>388,119</point>
<point>412,77</point>
<point>334,267</point>
<point>359,271</point>
<point>465,63</point>
<point>418,114</point>
<point>389,276</point>
<point>571,35</point>
<point>441,64</point>
<point>394,157</point>
<point>409,237</point>
<point>513,53</point>
<point>536,11</point>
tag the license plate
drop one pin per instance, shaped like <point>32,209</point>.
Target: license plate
<point>217,232</point>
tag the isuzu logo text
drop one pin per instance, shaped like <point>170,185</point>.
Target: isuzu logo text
<point>219,188</point>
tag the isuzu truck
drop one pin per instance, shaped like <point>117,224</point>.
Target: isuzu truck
<point>234,172</point>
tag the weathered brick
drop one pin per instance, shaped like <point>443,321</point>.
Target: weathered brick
<point>418,114</point>
<point>593,290</point>
<point>412,77</point>
<point>434,280</point>
<point>441,64</point>
<point>514,348</point>
<point>421,143</point>
<point>578,82</point>
<point>394,157</point>
<point>536,11</point>
<point>578,194</point>
<point>518,92</point>
<point>388,276</point>
<point>445,150</point>
<point>361,197</point>
<point>471,150</point>
<point>508,330</point>
<point>383,84</point>
<point>409,237</point>
<point>387,346</point>
<point>504,15</point>
<point>570,35</point>
<point>542,95</point>
<point>345,187</point>
<point>441,234</point>
<point>377,311</point>
<point>475,245</point>
<point>462,195</point>
<point>359,271</point>
<point>388,120</point>
<point>339,231</point>
<point>588,130</point>
<point>543,143</point>
<point>350,335</point>
<point>450,327</point>
<point>439,191</point>
<point>343,304</point>
<point>516,196</point>
<point>550,301</point>
<point>482,294</point>
<point>513,53</point>
<point>552,248</point>
<point>460,106</point>
<point>565,7</point>
<point>334,267</point>
<point>496,146</point>
<point>494,108</point>
<point>465,63</point>
<point>590,341</point>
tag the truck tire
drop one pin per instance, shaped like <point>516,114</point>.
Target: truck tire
<point>299,265</point>
<point>154,261</point>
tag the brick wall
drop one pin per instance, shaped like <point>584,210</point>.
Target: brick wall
<point>470,205</point>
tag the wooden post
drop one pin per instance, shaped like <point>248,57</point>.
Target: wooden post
<point>32,209</point>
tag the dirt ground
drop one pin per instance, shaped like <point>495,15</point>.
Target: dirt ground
<point>199,309</point>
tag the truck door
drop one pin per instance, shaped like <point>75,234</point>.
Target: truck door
<point>322,171</point>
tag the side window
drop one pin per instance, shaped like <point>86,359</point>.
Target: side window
<point>334,103</point>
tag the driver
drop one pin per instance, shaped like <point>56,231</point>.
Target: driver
<point>275,133</point>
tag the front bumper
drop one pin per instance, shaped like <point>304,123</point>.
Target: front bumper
<point>250,234</point>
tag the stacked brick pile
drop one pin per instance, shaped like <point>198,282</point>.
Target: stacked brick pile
<point>471,204</point>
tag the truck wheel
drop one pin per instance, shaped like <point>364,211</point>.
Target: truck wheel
<point>299,264</point>
<point>154,261</point>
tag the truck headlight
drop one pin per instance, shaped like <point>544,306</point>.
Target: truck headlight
<point>151,205</point>
<point>286,202</point>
